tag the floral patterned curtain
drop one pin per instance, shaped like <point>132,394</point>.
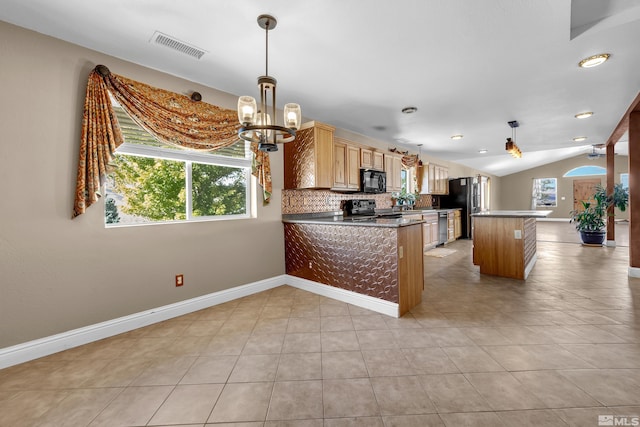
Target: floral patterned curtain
<point>172,118</point>
<point>409,161</point>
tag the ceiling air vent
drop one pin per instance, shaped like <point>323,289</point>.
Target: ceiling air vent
<point>173,43</point>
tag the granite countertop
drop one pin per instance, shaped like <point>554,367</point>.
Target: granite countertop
<point>337,219</point>
<point>430,210</point>
<point>513,214</point>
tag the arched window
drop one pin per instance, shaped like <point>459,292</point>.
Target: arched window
<point>586,171</point>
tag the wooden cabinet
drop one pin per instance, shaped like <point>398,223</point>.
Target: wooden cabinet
<point>371,159</point>
<point>435,179</point>
<point>430,230</point>
<point>457,224</point>
<point>393,168</point>
<point>451,221</point>
<point>410,268</point>
<point>504,245</point>
<point>346,165</point>
<point>441,179</point>
<point>308,160</point>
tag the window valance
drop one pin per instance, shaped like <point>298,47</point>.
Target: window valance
<point>171,117</point>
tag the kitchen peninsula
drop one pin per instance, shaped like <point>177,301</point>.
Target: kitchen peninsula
<point>504,242</point>
<point>378,257</point>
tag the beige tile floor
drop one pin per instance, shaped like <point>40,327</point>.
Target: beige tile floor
<point>558,350</point>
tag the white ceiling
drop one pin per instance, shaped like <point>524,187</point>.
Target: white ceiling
<point>468,66</point>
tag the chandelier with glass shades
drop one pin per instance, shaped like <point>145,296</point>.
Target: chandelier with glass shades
<point>257,122</point>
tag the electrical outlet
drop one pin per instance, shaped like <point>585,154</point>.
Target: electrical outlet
<point>310,265</point>
<point>401,252</point>
<point>517,234</point>
<point>179,280</point>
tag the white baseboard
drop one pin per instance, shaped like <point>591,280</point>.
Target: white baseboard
<point>634,271</point>
<point>30,350</point>
<point>529,267</point>
<point>375,304</point>
<point>611,243</point>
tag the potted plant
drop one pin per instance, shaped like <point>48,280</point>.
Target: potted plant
<point>591,220</point>
<point>403,199</point>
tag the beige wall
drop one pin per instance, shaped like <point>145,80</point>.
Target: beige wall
<point>515,191</point>
<point>58,274</point>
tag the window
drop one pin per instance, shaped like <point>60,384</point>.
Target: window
<point>404,180</point>
<point>155,183</point>
<point>545,192</point>
<point>408,180</point>
<point>586,171</point>
<point>624,180</point>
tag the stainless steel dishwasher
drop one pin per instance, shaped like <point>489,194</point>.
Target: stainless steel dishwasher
<point>442,227</point>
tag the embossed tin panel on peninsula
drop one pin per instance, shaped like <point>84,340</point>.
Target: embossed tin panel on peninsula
<point>358,259</point>
<point>384,262</point>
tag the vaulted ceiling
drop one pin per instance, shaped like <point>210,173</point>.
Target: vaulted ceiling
<point>469,67</point>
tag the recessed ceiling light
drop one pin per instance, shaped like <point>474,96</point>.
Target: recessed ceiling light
<point>483,151</point>
<point>594,60</point>
<point>584,115</point>
<point>457,136</point>
<point>579,138</point>
<point>409,110</point>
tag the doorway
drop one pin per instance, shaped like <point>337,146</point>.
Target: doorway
<point>583,190</point>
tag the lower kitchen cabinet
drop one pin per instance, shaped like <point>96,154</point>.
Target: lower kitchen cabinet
<point>457,224</point>
<point>451,231</point>
<point>430,230</point>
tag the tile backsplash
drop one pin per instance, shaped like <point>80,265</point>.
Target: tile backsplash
<point>310,201</point>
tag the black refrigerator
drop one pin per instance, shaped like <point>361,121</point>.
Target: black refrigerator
<point>464,193</point>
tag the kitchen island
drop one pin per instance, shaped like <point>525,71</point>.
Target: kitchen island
<point>380,258</point>
<point>504,242</point>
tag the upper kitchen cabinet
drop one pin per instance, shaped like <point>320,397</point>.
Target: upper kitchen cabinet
<point>435,180</point>
<point>393,168</point>
<point>308,160</point>
<point>370,159</point>
<point>346,166</point>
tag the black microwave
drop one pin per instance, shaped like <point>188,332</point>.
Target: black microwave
<point>372,181</point>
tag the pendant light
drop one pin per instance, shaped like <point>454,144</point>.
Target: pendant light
<point>511,146</point>
<point>256,122</point>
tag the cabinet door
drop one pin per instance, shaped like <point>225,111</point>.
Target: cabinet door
<point>397,172</point>
<point>393,168</point>
<point>324,157</point>
<point>366,158</point>
<point>378,160</point>
<point>339,165</point>
<point>353,167</point>
<point>450,227</point>
<point>421,179</point>
<point>426,235</point>
<point>432,179</point>
<point>444,175</point>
